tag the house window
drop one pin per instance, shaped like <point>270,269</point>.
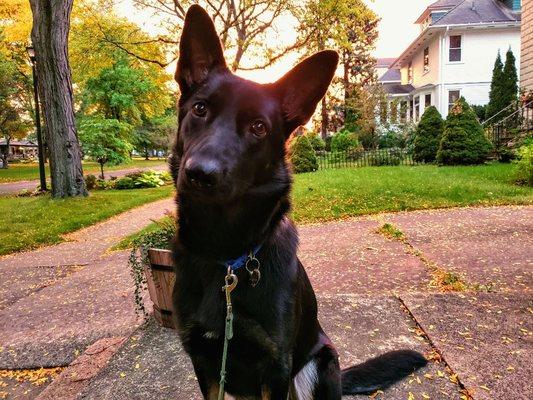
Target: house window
<point>426,59</point>
<point>427,100</point>
<point>453,96</point>
<point>411,108</point>
<point>455,48</point>
<point>410,73</point>
<point>417,108</point>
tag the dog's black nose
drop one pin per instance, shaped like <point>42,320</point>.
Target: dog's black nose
<point>202,173</point>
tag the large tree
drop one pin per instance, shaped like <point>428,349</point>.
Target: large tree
<point>51,22</point>
<point>510,81</point>
<point>349,27</point>
<point>99,38</point>
<point>245,26</point>
<point>495,99</point>
<point>123,95</point>
<point>503,88</point>
<point>15,28</point>
<point>12,124</point>
<point>126,93</point>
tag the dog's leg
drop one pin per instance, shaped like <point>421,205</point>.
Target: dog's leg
<point>320,378</point>
<point>208,387</point>
<point>265,393</point>
<point>277,381</point>
<point>213,392</point>
<point>329,375</point>
<point>277,388</point>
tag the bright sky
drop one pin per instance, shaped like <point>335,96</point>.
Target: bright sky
<point>396,31</point>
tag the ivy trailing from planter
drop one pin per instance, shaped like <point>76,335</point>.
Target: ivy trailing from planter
<point>158,238</point>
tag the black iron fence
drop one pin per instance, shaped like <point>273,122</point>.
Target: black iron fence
<point>363,158</point>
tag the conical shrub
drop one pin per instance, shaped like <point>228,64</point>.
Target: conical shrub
<point>302,155</point>
<point>428,135</point>
<point>463,141</point>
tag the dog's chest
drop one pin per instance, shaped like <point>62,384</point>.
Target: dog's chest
<point>202,315</point>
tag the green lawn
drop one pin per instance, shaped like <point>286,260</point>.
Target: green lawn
<point>336,194</point>
<point>29,222</point>
<point>342,193</point>
<point>24,172</point>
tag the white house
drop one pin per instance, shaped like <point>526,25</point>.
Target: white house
<point>454,55</point>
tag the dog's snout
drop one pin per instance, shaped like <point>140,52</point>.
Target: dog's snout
<point>203,173</point>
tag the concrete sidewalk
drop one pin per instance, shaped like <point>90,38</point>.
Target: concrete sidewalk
<point>374,296</point>
<point>16,187</point>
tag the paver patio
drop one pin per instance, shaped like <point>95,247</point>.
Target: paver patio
<point>485,337</point>
<point>492,246</point>
<point>363,281</point>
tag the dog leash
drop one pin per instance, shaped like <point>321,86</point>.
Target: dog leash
<point>231,282</point>
<point>252,266</point>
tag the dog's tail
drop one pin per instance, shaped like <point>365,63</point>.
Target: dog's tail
<point>380,372</point>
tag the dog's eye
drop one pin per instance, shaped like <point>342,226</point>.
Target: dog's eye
<point>259,128</point>
<point>199,109</point>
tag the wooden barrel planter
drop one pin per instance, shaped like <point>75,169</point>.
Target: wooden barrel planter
<point>160,279</point>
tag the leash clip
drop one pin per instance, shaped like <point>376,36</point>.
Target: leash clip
<point>231,283</point>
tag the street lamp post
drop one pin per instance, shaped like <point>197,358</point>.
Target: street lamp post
<point>31,54</point>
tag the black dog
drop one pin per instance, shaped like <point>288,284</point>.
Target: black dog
<point>233,188</point>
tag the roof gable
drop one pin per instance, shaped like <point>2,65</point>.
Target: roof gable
<point>440,5</point>
<point>476,12</point>
<point>392,75</point>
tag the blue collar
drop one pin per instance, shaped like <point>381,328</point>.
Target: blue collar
<point>240,262</point>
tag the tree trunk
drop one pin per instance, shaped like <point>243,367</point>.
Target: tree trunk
<point>323,106</point>
<point>346,82</point>
<point>325,120</point>
<point>102,170</point>
<point>51,21</point>
<point>346,75</point>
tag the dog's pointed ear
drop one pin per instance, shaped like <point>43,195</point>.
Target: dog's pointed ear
<point>200,49</point>
<point>303,87</point>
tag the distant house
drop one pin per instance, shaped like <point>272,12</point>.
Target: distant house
<point>19,149</point>
<point>453,56</point>
<point>526,66</point>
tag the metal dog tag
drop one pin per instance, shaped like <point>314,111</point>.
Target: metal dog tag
<point>254,277</point>
<point>252,266</point>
